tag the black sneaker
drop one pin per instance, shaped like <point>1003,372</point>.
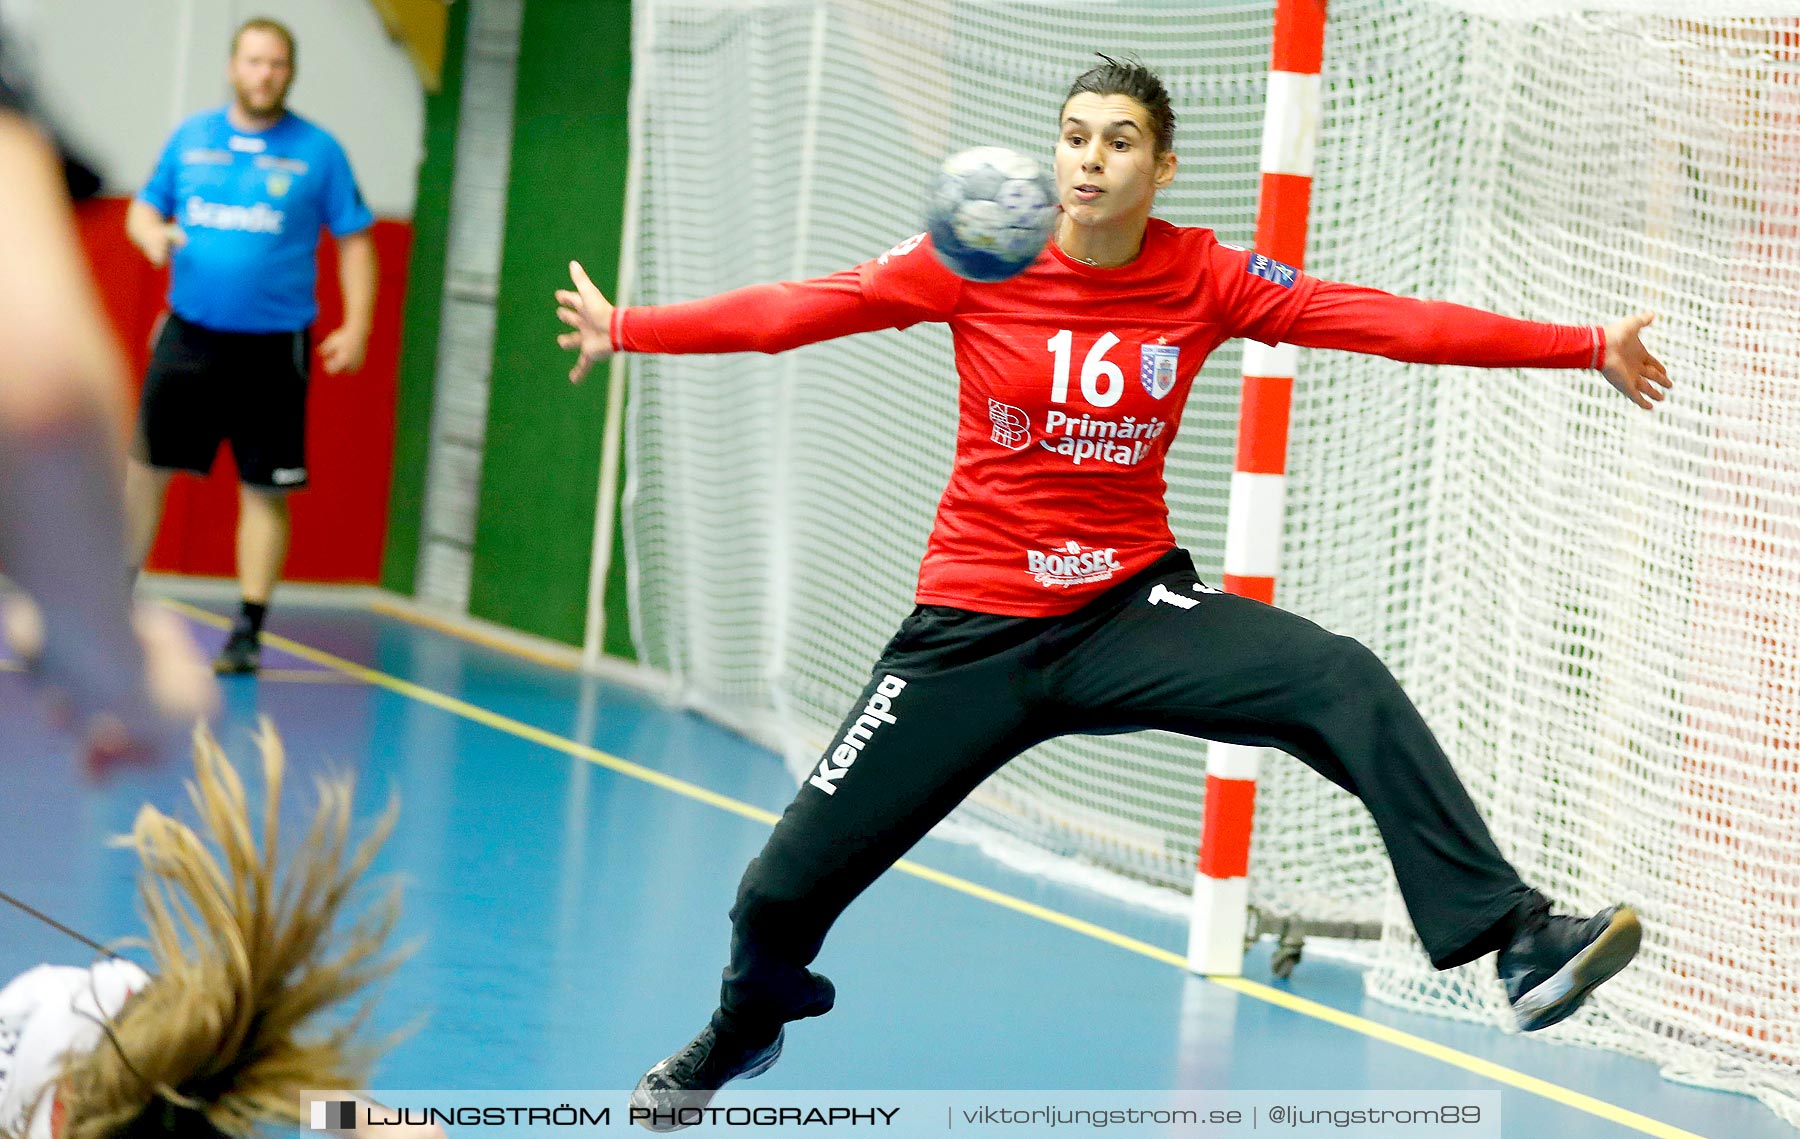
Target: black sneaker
<point>242,654</point>
<point>668,1096</point>
<point>1555,962</point>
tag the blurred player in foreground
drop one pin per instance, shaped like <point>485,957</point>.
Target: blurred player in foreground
<point>210,1043</point>
<point>129,686</point>
<point>1053,598</point>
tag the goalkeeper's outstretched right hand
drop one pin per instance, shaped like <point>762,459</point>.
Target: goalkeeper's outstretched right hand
<point>589,313</point>
<point>1629,366</point>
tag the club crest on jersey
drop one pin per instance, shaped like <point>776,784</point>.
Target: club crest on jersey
<point>1270,269</point>
<point>1156,367</point>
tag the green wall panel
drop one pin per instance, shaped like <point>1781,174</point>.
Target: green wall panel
<point>424,306</point>
<point>565,200</point>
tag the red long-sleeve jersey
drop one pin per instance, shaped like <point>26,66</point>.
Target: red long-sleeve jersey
<point>1073,380</point>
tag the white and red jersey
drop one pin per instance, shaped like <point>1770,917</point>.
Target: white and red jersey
<point>1073,381</point>
<point>48,1014</point>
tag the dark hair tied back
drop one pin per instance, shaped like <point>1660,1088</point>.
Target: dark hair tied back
<point>1126,77</point>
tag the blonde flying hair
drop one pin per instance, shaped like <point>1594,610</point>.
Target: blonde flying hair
<point>244,958</point>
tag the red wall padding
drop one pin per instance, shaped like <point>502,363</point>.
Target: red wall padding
<point>340,520</point>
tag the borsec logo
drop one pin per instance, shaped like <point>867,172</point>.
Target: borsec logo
<point>1072,563</point>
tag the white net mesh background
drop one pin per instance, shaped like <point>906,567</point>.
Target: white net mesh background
<point>1597,609</point>
<point>776,535</point>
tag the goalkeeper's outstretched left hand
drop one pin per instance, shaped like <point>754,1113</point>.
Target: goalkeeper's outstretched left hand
<point>1628,365</point>
<point>589,313</point>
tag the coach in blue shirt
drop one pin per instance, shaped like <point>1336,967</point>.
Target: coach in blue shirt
<point>234,208</point>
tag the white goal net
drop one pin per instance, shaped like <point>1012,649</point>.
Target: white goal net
<point>1597,609</point>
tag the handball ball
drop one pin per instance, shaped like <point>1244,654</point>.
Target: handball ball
<point>990,213</point>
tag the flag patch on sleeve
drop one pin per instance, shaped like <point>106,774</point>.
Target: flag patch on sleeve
<point>1271,270</point>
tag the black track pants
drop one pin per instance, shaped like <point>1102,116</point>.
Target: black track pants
<point>957,694</point>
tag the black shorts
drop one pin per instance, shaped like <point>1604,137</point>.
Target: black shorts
<point>204,387</point>
<point>957,694</point>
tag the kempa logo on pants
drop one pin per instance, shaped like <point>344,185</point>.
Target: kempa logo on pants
<point>1162,595</point>
<point>878,711</point>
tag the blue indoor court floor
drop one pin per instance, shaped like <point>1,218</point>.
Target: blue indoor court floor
<point>569,848</point>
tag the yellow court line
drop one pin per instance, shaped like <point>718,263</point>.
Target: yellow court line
<point>1568,1097</point>
<point>1451,1056</point>
<point>280,675</point>
<point>1431,1048</point>
<point>489,719</point>
<point>307,676</point>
